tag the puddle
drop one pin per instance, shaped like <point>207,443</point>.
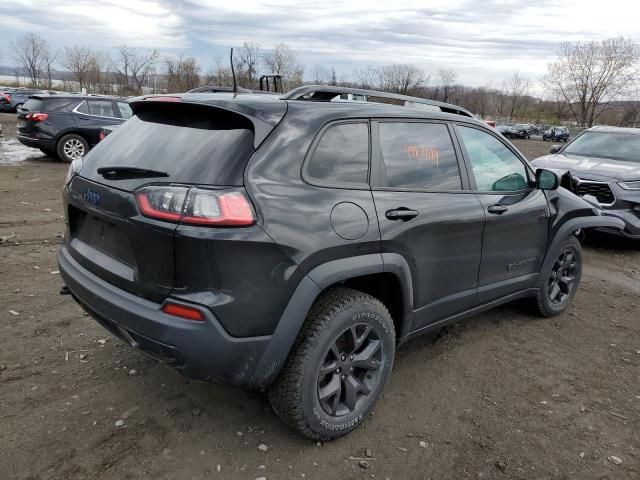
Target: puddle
<point>13,152</point>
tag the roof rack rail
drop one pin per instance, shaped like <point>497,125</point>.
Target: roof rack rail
<point>324,93</point>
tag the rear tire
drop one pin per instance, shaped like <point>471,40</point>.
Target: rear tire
<point>71,146</point>
<point>560,283</point>
<point>338,367</point>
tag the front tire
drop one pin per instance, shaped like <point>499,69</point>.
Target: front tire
<point>338,367</point>
<point>560,283</point>
<point>71,147</point>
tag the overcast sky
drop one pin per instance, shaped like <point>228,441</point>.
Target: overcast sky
<point>483,40</point>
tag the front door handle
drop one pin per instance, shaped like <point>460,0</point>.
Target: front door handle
<point>497,209</point>
<point>401,213</point>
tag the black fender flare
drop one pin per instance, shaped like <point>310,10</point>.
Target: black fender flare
<point>571,226</point>
<point>308,290</point>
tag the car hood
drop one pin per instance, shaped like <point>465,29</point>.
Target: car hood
<point>590,167</point>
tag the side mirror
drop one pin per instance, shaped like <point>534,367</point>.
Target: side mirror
<point>546,179</point>
<point>555,148</point>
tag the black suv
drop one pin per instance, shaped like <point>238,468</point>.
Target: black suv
<point>68,126</point>
<point>293,243</point>
<point>556,134</point>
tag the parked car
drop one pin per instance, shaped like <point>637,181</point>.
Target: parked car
<point>605,164</point>
<point>556,134</point>
<point>523,130</point>
<point>105,131</point>
<point>68,126</point>
<point>16,98</point>
<point>507,131</point>
<point>259,241</point>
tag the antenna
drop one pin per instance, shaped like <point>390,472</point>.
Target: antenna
<point>233,73</point>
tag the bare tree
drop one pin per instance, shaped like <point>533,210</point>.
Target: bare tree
<point>79,61</point>
<point>447,78</point>
<point>133,67</point>
<point>28,50</point>
<point>517,88</point>
<point>282,60</point>
<point>320,74</point>
<point>369,77</point>
<point>48,59</point>
<point>183,73</point>
<point>402,78</point>
<point>247,64</point>
<point>588,76</point>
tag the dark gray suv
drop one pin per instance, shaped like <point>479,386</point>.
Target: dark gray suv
<point>293,243</point>
<point>605,164</point>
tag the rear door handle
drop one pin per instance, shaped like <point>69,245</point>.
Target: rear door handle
<point>401,213</point>
<point>497,209</point>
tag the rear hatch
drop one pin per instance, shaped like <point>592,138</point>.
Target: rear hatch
<point>164,146</point>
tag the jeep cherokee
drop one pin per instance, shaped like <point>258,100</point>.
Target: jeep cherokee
<point>292,243</point>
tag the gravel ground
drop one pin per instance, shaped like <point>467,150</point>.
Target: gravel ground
<point>506,395</point>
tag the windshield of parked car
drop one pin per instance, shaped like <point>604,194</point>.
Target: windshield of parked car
<point>616,146</point>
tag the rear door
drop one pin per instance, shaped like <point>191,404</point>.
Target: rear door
<point>427,214</point>
<point>516,231</point>
<point>94,113</point>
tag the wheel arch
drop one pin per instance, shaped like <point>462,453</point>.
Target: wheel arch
<point>385,275</point>
<point>573,225</point>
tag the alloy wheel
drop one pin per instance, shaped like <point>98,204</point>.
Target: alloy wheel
<point>350,370</point>
<point>563,277</point>
<point>73,148</point>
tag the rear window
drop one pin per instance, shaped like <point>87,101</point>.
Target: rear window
<point>32,105</point>
<point>192,144</point>
<point>56,104</point>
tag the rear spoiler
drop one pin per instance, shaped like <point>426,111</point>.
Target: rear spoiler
<point>263,120</point>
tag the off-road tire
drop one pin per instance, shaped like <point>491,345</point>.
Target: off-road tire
<point>545,306</point>
<point>71,137</point>
<point>295,394</point>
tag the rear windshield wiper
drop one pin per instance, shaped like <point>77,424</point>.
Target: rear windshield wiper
<point>123,173</point>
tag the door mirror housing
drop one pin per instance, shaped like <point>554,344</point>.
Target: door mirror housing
<point>555,148</point>
<point>546,179</point>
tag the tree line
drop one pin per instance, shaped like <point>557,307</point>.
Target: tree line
<point>587,83</point>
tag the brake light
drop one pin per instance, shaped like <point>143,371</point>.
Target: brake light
<point>183,311</point>
<point>101,136</point>
<point>196,206</point>
<point>37,117</point>
<point>7,97</point>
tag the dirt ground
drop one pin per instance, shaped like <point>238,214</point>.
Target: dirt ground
<point>506,395</point>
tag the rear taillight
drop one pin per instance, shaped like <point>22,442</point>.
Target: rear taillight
<point>7,97</point>
<point>37,117</point>
<point>183,311</point>
<point>101,136</point>
<point>196,206</point>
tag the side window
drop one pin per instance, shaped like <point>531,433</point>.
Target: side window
<point>342,155</point>
<point>495,167</point>
<point>101,108</point>
<point>82,108</point>
<point>125,110</point>
<point>418,155</point>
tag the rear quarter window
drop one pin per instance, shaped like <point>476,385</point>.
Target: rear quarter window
<point>341,156</point>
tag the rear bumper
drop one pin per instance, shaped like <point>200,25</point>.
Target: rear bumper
<point>36,142</point>
<point>201,350</point>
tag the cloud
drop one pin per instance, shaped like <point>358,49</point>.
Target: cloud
<point>484,41</point>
